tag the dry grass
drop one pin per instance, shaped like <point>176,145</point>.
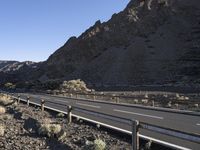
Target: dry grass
<point>49,129</point>
<point>2,130</point>
<point>74,85</point>
<point>5,100</point>
<point>99,144</point>
<point>2,110</point>
<point>6,117</point>
<point>60,115</point>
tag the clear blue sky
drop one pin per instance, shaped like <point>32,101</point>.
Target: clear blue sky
<point>34,29</point>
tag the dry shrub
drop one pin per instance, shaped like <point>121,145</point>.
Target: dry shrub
<point>49,129</point>
<point>5,100</point>
<point>2,110</point>
<point>74,85</point>
<point>99,144</point>
<point>2,130</point>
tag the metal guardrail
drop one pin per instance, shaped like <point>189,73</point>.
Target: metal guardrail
<point>134,124</point>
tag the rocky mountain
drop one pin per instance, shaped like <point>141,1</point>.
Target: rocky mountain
<point>15,66</point>
<point>15,71</point>
<point>149,42</point>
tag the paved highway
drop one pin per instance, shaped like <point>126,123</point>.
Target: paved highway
<point>179,121</point>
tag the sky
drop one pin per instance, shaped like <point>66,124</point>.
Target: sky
<point>34,29</point>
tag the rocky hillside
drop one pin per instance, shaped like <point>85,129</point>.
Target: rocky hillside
<point>14,66</point>
<point>17,71</point>
<point>149,42</point>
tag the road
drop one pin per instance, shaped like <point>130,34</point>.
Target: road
<point>169,119</point>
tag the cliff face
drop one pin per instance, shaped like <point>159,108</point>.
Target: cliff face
<point>150,42</point>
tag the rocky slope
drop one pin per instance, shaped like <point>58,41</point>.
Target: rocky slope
<point>151,42</point>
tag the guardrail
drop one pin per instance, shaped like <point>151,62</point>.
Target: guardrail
<point>135,125</point>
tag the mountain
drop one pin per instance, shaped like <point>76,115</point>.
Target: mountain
<point>15,71</point>
<point>149,42</point>
<point>14,66</point>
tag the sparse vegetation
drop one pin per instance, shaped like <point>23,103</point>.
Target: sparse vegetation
<point>60,115</point>
<point>2,130</point>
<point>5,100</point>
<point>74,86</point>
<point>2,110</point>
<point>99,144</point>
<point>49,129</point>
<point>10,85</point>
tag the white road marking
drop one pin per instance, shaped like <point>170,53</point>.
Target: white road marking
<point>62,101</point>
<point>144,115</point>
<point>198,124</point>
<point>88,105</point>
<point>45,98</point>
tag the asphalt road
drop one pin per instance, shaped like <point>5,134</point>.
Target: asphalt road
<point>177,121</point>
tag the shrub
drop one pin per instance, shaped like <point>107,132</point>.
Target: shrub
<point>2,130</point>
<point>60,115</point>
<point>9,85</point>
<point>49,130</point>
<point>4,100</point>
<point>74,85</point>
<point>99,144</point>
<point>2,110</point>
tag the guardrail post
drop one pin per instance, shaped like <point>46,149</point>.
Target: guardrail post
<point>94,97</point>
<point>135,136</point>
<point>28,100</point>
<point>69,114</point>
<point>18,99</point>
<point>117,99</point>
<point>153,103</point>
<point>177,106</point>
<point>42,105</point>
